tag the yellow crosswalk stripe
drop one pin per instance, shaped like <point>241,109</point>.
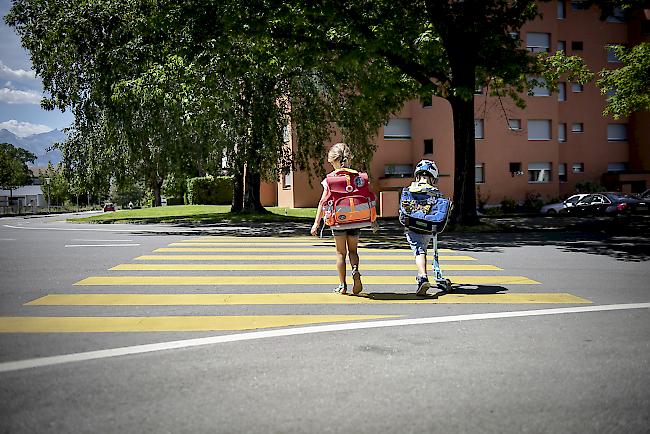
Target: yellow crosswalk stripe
<point>330,257</point>
<point>167,323</point>
<point>254,250</point>
<point>298,298</point>
<point>281,244</point>
<point>257,280</point>
<point>290,267</point>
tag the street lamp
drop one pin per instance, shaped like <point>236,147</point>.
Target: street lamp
<point>47,181</point>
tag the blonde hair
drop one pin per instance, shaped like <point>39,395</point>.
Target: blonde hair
<point>340,152</point>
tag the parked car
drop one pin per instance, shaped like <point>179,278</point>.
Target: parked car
<point>109,207</point>
<point>606,203</point>
<point>561,207</point>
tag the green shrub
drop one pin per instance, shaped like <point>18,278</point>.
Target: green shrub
<point>533,201</point>
<point>209,190</point>
<point>589,187</point>
<point>508,205</point>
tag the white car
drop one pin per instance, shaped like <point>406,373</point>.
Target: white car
<point>556,208</point>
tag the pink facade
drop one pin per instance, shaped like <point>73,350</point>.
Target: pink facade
<point>559,139</point>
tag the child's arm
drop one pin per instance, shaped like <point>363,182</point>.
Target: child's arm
<point>319,214</point>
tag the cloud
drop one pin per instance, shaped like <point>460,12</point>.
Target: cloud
<point>24,129</point>
<point>14,96</point>
<point>7,72</point>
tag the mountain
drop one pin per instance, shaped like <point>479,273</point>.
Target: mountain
<point>38,144</point>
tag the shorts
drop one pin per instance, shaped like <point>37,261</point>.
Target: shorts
<point>348,232</point>
<point>418,242</point>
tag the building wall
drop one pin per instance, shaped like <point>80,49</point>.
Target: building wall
<point>502,145</point>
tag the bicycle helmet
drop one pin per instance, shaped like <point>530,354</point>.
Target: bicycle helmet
<point>426,167</point>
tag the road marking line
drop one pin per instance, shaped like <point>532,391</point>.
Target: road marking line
<point>291,280</point>
<point>265,334</point>
<point>297,298</point>
<point>110,324</point>
<point>102,245</point>
<point>274,249</point>
<point>366,258</point>
<point>102,241</point>
<point>316,246</point>
<point>289,267</point>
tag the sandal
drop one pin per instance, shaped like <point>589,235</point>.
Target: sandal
<point>341,289</point>
<point>357,287</point>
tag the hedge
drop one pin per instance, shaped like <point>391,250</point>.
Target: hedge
<point>209,190</point>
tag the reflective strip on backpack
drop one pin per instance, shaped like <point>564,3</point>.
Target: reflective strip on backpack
<point>360,207</point>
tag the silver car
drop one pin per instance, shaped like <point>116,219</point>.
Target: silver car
<point>557,208</point>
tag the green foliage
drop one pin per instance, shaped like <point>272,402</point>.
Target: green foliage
<point>629,85</point>
<point>508,205</point>
<point>57,190</point>
<point>13,166</point>
<point>533,201</point>
<point>589,187</point>
<point>209,190</point>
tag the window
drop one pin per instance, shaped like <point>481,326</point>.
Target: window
<point>578,5</point>
<point>578,167</point>
<point>539,88</point>
<point>479,173</point>
<point>561,172</point>
<point>478,129</point>
<point>577,127</point>
<point>561,132</point>
<point>617,16</point>
<point>398,170</point>
<point>426,101</point>
<point>515,169</point>
<point>616,167</point>
<point>287,180</point>
<point>539,129</point>
<point>397,129</point>
<point>611,54</point>
<point>428,146</point>
<point>576,45</point>
<point>561,46</point>
<point>514,124</point>
<point>561,10</point>
<point>561,91</point>
<point>539,172</point>
<point>538,42</point>
<point>616,132</point>
<point>577,88</point>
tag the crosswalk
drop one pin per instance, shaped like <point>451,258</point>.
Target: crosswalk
<point>265,271</point>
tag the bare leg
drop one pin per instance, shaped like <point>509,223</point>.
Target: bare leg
<point>421,264</point>
<point>353,243</point>
<point>341,253</point>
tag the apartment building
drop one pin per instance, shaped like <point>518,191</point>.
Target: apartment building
<point>559,140</point>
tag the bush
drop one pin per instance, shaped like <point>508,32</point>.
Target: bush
<point>589,187</point>
<point>508,205</point>
<point>533,201</point>
<point>209,190</point>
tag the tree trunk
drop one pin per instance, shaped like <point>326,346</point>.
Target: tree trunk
<point>237,204</point>
<point>252,203</point>
<point>157,188</point>
<point>464,162</point>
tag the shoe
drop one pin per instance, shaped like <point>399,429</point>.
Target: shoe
<point>423,285</point>
<point>341,289</point>
<point>357,287</point>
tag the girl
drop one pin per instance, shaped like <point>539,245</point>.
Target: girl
<point>347,240</point>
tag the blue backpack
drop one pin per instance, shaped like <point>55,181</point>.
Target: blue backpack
<point>423,209</point>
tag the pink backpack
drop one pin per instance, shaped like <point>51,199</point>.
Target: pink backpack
<point>350,203</point>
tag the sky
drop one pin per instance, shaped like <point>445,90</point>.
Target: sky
<point>20,89</point>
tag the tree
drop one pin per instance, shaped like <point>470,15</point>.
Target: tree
<point>445,48</point>
<point>57,190</point>
<point>13,166</point>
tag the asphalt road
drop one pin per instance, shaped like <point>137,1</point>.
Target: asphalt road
<point>550,334</point>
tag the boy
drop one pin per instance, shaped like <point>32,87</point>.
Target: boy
<point>425,180</point>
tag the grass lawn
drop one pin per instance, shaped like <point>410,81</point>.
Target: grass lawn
<point>198,213</point>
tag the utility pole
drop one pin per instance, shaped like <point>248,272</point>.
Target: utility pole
<point>47,181</point>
